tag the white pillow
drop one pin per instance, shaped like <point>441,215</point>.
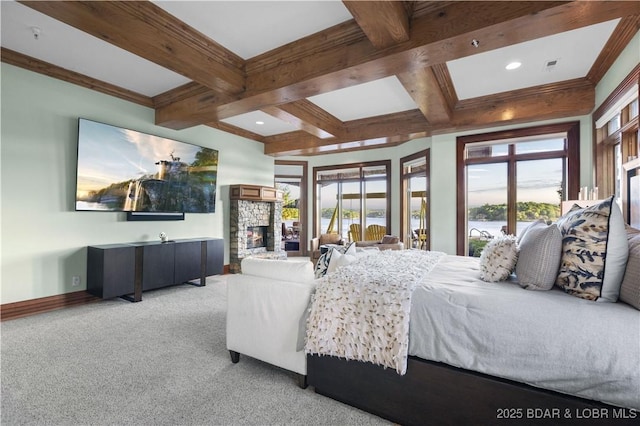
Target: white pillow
<point>498,258</point>
<point>328,261</point>
<point>540,251</point>
<point>338,260</point>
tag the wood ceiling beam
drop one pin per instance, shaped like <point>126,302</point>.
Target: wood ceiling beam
<point>385,22</point>
<point>442,75</point>
<point>307,67</point>
<point>147,30</point>
<point>308,117</point>
<point>365,132</point>
<point>32,64</point>
<point>556,100</point>
<point>566,99</point>
<point>622,35</point>
<point>229,128</point>
<point>424,88</point>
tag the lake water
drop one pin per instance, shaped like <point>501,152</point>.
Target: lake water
<point>493,228</point>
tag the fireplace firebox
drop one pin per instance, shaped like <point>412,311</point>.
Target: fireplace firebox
<point>256,236</point>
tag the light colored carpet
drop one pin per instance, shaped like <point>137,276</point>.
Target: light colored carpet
<point>162,361</point>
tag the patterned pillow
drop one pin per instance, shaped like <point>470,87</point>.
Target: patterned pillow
<point>498,258</point>
<point>594,251</point>
<point>630,288</point>
<point>540,250</point>
<point>323,264</point>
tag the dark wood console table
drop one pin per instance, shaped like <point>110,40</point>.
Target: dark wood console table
<point>126,270</point>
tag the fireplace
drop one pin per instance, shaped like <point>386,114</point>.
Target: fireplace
<point>256,236</point>
<point>255,224</point>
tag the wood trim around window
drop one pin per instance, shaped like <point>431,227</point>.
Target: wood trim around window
<point>302,206</point>
<point>572,130</point>
<point>387,163</point>
<point>422,154</point>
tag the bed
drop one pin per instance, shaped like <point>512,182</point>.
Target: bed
<point>488,352</point>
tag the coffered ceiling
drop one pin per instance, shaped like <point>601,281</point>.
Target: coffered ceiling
<point>311,77</point>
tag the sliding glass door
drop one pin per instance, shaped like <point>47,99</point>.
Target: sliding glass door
<point>290,178</point>
<point>350,198</point>
<point>415,219</point>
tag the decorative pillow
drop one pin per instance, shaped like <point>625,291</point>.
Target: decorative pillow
<point>540,250</point>
<point>347,249</point>
<point>338,260</point>
<point>524,232</point>
<point>390,239</point>
<point>630,288</point>
<point>498,258</point>
<point>325,265</point>
<point>594,251</point>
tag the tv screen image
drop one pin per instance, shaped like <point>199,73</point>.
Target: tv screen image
<point>125,170</point>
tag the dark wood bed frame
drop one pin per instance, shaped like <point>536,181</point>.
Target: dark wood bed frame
<point>435,393</point>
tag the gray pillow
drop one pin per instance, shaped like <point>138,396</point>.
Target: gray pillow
<point>539,258</point>
<point>524,232</point>
<point>630,288</point>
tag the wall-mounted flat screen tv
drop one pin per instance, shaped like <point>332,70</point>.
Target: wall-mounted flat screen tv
<point>125,170</point>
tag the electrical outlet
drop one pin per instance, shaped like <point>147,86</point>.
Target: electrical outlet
<point>75,281</point>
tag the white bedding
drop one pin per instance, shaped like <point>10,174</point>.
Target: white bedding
<point>548,339</point>
<point>361,311</point>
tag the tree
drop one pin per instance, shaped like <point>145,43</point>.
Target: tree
<point>291,212</point>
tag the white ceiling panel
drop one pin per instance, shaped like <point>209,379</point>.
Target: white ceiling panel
<point>379,97</point>
<point>575,52</point>
<point>249,28</point>
<point>270,125</point>
<point>72,49</point>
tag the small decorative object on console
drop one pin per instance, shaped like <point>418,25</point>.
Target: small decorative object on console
<point>163,237</point>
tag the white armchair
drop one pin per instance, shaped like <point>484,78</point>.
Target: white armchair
<point>266,312</point>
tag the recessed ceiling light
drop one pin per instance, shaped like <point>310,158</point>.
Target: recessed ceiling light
<point>259,123</point>
<point>513,65</point>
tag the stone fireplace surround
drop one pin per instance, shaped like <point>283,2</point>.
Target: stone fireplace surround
<point>252,205</point>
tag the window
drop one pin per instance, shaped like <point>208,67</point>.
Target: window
<point>291,178</point>
<point>351,195</point>
<point>508,179</point>
<point>415,201</point>
<point>616,142</point>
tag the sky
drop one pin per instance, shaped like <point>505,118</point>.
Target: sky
<point>109,154</point>
<point>537,180</point>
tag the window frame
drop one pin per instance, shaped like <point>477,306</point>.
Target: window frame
<point>302,205</point>
<point>426,154</point>
<point>572,131</point>
<point>316,206</point>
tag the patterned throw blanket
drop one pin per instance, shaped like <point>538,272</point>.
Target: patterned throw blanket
<point>361,311</point>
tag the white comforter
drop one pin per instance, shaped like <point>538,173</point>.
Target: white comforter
<point>547,339</point>
<point>361,311</point>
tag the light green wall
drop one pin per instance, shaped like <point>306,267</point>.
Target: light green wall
<point>43,239</point>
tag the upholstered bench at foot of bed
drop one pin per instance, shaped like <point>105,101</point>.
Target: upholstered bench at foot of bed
<point>266,312</point>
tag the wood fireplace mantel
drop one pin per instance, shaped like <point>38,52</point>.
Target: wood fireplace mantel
<point>255,193</point>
